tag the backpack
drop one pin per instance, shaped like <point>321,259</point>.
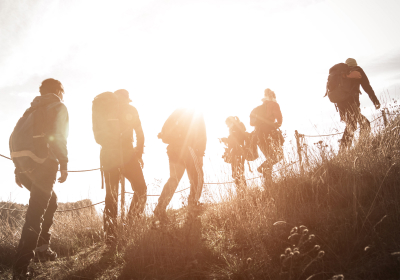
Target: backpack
<point>28,145</point>
<point>338,86</point>
<point>105,119</point>
<point>176,127</point>
<point>106,129</point>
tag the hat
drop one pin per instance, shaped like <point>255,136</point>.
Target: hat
<point>123,94</point>
<point>269,95</point>
<point>351,62</point>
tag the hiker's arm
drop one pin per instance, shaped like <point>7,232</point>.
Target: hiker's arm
<point>58,133</point>
<point>17,180</point>
<point>278,116</point>
<point>368,89</point>
<point>200,137</point>
<point>253,117</point>
<point>137,126</point>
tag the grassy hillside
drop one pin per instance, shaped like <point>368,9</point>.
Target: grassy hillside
<point>339,218</point>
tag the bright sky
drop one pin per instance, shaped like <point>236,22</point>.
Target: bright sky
<point>216,55</point>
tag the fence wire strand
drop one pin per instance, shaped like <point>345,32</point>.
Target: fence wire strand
<point>211,183</point>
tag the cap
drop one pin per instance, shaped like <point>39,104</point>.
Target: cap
<point>351,62</point>
<point>123,94</point>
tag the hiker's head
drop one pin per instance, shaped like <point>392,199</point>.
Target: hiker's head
<point>269,95</point>
<point>52,86</point>
<point>234,124</point>
<point>230,121</point>
<point>351,62</point>
<point>123,95</point>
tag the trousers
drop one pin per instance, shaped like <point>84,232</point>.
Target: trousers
<point>350,113</point>
<point>273,152</point>
<point>40,212</point>
<point>237,165</point>
<point>132,171</point>
<point>193,164</point>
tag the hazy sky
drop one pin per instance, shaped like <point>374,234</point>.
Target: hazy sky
<point>216,55</point>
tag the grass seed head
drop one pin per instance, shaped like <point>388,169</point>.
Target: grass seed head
<point>288,251</point>
<point>320,254</point>
<point>294,230</point>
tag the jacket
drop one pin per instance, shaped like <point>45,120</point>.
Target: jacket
<point>236,139</point>
<point>55,128</point>
<point>129,120</point>
<point>364,82</point>
<point>183,129</point>
<point>264,116</point>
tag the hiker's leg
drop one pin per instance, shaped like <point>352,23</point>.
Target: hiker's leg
<point>263,145</point>
<point>111,178</point>
<point>365,126</point>
<point>41,187</point>
<point>241,176</point>
<point>234,166</point>
<point>133,172</point>
<point>351,126</point>
<point>194,168</point>
<point>266,167</point>
<point>176,171</point>
<point>45,234</point>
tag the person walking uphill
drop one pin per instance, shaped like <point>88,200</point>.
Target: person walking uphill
<point>267,118</point>
<point>235,151</point>
<point>352,76</point>
<point>185,133</point>
<point>38,146</point>
<point>114,121</point>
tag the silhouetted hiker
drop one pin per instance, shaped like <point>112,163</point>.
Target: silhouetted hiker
<point>185,133</point>
<point>343,89</point>
<point>114,120</point>
<point>267,118</point>
<point>235,153</point>
<point>38,145</point>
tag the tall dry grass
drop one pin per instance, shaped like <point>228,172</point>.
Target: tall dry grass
<point>340,217</point>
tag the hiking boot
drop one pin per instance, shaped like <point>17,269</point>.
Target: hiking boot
<point>195,210</point>
<point>161,216</point>
<point>44,256</point>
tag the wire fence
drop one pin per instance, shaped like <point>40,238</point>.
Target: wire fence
<point>333,134</point>
<point>151,195</point>
<point>210,183</point>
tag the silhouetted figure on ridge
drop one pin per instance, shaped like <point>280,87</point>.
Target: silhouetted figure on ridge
<point>267,118</point>
<point>343,89</point>
<point>38,147</point>
<point>114,121</point>
<point>185,133</point>
<point>235,153</point>
<point>350,111</point>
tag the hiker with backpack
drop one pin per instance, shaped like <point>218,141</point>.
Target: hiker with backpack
<point>114,121</point>
<point>343,89</point>
<point>267,118</point>
<point>38,147</point>
<point>185,133</point>
<point>235,152</point>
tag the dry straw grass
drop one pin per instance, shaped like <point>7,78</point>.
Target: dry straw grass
<point>340,218</point>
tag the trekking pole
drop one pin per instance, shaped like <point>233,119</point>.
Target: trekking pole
<point>298,135</point>
<point>385,122</point>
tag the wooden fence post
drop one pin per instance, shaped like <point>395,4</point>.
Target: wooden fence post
<point>122,180</point>
<point>297,135</point>
<point>385,122</point>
